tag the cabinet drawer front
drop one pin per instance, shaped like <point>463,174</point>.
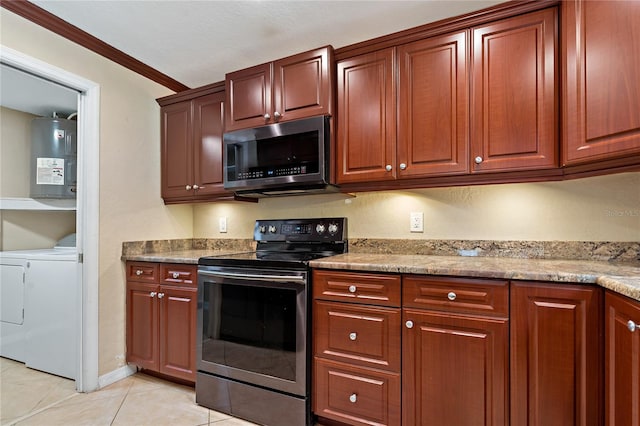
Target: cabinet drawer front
<point>143,272</point>
<point>470,296</point>
<point>175,273</point>
<point>356,396</point>
<point>358,334</point>
<point>373,289</point>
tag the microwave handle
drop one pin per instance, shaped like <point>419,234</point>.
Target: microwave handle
<point>255,277</point>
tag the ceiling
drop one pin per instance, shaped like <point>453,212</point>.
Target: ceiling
<point>198,42</point>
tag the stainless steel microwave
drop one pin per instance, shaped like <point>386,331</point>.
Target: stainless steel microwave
<point>287,158</point>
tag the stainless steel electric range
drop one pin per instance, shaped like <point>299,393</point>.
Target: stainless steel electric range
<point>254,322</point>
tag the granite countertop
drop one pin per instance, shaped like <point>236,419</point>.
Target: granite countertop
<point>623,278</point>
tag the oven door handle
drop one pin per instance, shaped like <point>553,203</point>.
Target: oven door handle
<point>256,277</point>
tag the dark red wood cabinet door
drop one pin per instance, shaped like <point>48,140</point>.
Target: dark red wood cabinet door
<point>142,325</point>
<point>514,93</point>
<point>366,141</point>
<point>248,94</point>
<point>622,361</point>
<point>303,85</point>
<point>177,150</point>
<point>601,79</point>
<point>433,116</point>
<point>177,329</point>
<point>208,128</point>
<point>556,354</point>
<point>454,369</point>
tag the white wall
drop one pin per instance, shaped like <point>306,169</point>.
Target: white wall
<point>130,203</point>
<point>604,208</point>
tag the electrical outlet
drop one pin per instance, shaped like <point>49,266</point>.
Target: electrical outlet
<point>222,224</point>
<point>416,222</point>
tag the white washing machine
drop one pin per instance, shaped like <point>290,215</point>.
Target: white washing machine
<point>47,281</point>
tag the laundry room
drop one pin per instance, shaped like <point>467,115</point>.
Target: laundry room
<point>39,269</point>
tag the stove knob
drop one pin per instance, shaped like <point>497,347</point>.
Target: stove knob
<point>262,229</point>
<point>272,229</point>
<point>320,228</point>
<point>333,228</point>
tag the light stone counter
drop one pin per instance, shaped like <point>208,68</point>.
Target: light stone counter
<point>623,278</point>
<point>178,256</point>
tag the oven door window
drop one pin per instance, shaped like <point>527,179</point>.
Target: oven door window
<point>251,327</point>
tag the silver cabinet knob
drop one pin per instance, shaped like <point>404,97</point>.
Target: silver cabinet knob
<point>451,296</point>
<point>195,186</point>
<point>277,116</point>
<point>267,117</point>
<point>631,326</point>
<point>153,294</point>
<point>160,295</point>
<point>188,187</point>
<point>353,398</point>
<point>409,324</point>
<point>403,166</point>
<point>478,160</point>
<point>138,272</point>
<point>388,167</point>
<point>353,336</point>
<point>176,275</point>
<point>352,289</point>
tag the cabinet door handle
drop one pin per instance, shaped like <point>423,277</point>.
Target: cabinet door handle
<point>195,186</point>
<point>388,167</point>
<point>352,289</point>
<point>267,117</point>
<point>403,166</point>
<point>409,324</point>
<point>188,187</point>
<point>353,336</point>
<point>160,295</point>
<point>451,296</point>
<point>277,116</point>
<point>138,272</point>
<point>478,160</point>
<point>153,294</point>
<point>631,326</point>
<point>353,398</point>
<point>176,275</point>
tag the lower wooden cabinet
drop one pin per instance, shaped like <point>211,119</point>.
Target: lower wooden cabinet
<point>622,361</point>
<point>161,318</point>
<point>556,354</point>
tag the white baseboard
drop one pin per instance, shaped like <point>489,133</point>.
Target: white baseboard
<point>115,375</point>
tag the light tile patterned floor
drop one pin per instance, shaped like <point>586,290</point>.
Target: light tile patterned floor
<point>29,397</point>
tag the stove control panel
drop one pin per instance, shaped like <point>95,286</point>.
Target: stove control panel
<point>304,230</point>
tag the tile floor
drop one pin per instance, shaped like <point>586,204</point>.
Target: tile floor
<point>29,397</point>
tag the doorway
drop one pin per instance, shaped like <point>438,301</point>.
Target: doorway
<point>87,205</point>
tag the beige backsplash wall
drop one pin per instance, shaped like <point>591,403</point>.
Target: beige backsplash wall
<point>604,208</point>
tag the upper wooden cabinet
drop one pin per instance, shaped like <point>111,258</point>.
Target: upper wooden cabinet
<point>601,80</point>
<point>450,120</point>
<point>295,87</point>
<point>191,153</point>
<point>514,110</point>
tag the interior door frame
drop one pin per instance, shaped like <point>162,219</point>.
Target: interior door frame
<point>87,213</point>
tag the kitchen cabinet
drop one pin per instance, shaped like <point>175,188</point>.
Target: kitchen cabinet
<point>491,110</point>
<point>191,153</point>
<point>298,86</point>
<point>556,354</point>
<point>356,345</point>
<point>514,124</point>
<point>161,318</point>
<point>622,360</point>
<point>601,80</point>
<point>455,351</point>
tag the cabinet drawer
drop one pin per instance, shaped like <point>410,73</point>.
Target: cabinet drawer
<point>358,334</point>
<point>356,396</point>
<point>143,272</point>
<point>374,289</point>
<point>176,273</point>
<point>467,296</point>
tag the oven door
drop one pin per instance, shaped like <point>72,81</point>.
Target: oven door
<point>252,326</point>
